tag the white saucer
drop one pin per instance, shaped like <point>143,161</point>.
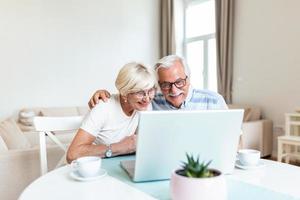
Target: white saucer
<point>259,165</point>
<point>75,175</point>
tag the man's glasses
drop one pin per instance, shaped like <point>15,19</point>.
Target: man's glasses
<point>179,83</point>
<point>143,93</point>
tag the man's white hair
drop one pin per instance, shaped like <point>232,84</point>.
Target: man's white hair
<point>134,77</point>
<point>169,61</point>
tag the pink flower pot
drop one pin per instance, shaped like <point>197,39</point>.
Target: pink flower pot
<point>185,188</point>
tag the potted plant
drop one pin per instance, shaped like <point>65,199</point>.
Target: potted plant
<point>196,181</point>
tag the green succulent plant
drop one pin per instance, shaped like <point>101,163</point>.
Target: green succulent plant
<point>196,169</point>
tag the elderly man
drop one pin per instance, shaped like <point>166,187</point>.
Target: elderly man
<point>177,92</point>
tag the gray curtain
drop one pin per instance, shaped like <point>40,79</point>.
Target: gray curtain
<point>167,29</point>
<point>224,40</point>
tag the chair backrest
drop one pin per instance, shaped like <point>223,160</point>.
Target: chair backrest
<point>57,123</point>
<point>45,126</point>
<point>292,124</point>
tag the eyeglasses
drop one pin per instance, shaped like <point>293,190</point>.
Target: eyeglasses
<point>179,83</point>
<point>143,93</point>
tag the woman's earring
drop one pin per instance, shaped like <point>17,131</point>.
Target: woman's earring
<point>124,98</point>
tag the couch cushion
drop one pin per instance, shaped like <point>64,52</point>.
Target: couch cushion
<point>3,146</point>
<point>59,112</point>
<point>12,135</point>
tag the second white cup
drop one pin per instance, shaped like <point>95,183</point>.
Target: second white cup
<point>249,157</point>
<point>87,166</point>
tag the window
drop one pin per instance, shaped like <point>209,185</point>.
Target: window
<point>200,44</point>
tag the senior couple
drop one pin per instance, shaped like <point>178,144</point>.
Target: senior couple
<point>109,128</point>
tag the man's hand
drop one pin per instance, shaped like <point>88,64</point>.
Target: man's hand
<point>98,95</point>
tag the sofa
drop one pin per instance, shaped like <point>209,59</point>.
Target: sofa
<point>19,148</point>
<point>257,133</point>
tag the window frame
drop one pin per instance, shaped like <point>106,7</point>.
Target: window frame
<point>203,38</point>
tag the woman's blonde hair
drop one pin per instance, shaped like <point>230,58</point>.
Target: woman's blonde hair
<point>134,77</point>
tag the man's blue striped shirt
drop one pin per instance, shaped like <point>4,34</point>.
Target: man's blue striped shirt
<point>196,100</point>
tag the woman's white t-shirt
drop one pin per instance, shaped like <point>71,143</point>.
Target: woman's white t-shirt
<point>108,123</point>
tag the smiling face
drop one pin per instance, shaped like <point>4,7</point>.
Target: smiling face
<point>136,84</point>
<point>140,100</point>
<point>176,96</point>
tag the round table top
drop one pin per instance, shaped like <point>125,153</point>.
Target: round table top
<point>59,184</point>
<point>274,180</point>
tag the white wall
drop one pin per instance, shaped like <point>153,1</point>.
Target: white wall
<point>58,52</point>
<point>266,57</point>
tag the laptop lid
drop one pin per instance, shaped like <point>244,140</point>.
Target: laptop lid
<point>164,137</point>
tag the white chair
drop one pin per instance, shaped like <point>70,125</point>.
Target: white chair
<point>289,144</point>
<point>45,126</point>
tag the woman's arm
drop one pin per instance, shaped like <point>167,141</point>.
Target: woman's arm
<point>82,145</point>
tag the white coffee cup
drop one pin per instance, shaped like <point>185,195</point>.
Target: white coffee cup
<point>87,166</point>
<point>248,157</point>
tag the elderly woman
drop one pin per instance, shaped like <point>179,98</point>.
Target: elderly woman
<point>109,128</point>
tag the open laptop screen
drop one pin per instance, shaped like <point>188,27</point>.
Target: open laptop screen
<point>164,137</point>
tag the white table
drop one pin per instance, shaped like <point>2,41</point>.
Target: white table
<point>281,179</point>
<point>59,185</point>
<point>275,181</point>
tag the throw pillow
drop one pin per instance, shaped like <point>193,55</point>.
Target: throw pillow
<point>251,113</point>
<point>12,135</point>
<point>26,121</point>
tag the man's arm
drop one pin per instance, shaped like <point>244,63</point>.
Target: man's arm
<point>82,145</point>
<point>98,95</point>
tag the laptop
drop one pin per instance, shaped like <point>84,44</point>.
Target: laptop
<point>164,138</point>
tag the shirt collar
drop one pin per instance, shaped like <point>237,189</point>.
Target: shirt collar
<point>190,94</point>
